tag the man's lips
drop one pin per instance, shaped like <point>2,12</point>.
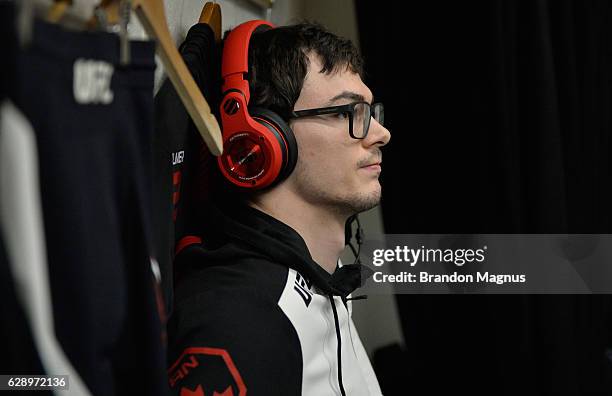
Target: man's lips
<point>373,166</point>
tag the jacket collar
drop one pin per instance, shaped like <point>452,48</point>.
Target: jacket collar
<point>279,242</point>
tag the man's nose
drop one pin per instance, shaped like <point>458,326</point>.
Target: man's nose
<point>377,134</point>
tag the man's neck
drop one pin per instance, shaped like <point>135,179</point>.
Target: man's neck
<point>321,229</point>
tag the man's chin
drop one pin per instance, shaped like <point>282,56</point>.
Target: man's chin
<point>366,201</point>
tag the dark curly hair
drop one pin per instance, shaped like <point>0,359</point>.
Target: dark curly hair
<point>278,62</point>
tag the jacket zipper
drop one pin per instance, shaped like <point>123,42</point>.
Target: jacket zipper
<point>331,299</point>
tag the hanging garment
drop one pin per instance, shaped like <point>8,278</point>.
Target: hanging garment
<point>22,228</point>
<point>93,123</point>
<point>19,354</point>
<point>179,155</point>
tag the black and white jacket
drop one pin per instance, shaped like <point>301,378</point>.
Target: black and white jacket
<point>254,314</point>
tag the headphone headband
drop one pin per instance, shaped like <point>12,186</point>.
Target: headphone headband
<point>235,63</point>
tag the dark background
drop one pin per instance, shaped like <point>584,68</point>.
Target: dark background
<point>500,115</point>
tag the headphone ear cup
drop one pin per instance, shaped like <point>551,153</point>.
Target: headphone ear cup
<point>282,130</point>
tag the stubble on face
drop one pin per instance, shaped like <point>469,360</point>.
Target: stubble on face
<point>314,190</point>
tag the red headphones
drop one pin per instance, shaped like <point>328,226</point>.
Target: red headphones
<point>259,148</point>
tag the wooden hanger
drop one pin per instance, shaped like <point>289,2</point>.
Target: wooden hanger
<point>57,10</point>
<point>151,15</point>
<point>211,15</point>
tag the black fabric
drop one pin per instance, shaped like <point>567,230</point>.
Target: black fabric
<point>180,159</point>
<point>8,43</point>
<point>95,160</point>
<point>18,351</point>
<point>500,122</point>
<point>279,243</point>
<point>225,290</point>
<point>223,306</point>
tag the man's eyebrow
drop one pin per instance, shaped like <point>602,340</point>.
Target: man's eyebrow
<point>353,96</point>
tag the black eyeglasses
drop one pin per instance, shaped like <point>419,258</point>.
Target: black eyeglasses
<point>359,115</point>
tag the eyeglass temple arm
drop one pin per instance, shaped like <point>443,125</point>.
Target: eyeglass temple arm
<point>320,111</point>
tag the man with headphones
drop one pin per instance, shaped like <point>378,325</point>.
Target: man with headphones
<point>261,303</point>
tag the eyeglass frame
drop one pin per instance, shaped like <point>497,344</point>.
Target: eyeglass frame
<point>342,109</point>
